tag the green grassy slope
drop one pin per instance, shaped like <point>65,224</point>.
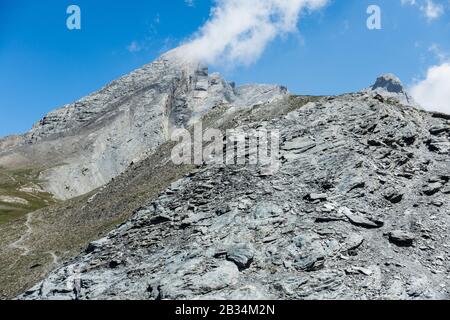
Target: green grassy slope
<point>20,194</point>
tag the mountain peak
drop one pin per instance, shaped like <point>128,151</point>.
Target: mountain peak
<point>390,86</point>
<point>126,120</point>
<point>178,57</point>
<point>389,82</point>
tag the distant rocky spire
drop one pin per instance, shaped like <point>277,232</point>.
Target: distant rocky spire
<point>390,86</point>
<point>388,82</point>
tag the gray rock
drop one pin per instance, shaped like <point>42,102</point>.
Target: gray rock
<point>432,188</point>
<point>160,218</point>
<point>299,145</point>
<point>242,255</point>
<point>393,196</point>
<point>225,275</point>
<point>310,263</point>
<point>329,245</point>
<point>316,196</point>
<point>85,144</point>
<point>402,238</point>
<point>361,221</point>
<point>353,242</point>
<point>266,210</point>
<point>96,245</point>
<point>389,86</point>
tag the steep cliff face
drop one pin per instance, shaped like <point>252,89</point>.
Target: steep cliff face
<point>121,124</point>
<point>84,145</point>
<point>357,210</point>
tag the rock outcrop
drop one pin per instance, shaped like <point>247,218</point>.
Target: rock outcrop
<point>357,210</point>
<point>390,86</point>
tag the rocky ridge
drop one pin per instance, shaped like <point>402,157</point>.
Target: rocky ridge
<point>390,86</point>
<point>83,145</point>
<point>357,210</point>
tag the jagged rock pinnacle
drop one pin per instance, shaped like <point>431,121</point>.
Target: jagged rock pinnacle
<point>389,82</point>
<point>390,86</point>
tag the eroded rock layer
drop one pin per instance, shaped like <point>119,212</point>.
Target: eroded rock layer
<point>359,209</point>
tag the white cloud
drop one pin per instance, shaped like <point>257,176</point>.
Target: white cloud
<point>441,55</point>
<point>433,92</point>
<point>134,47</point>
<point>431,9</point>
<point>189,3</point>
<point>238,31</point>
<point>409,2</point>
<point>145,43</point>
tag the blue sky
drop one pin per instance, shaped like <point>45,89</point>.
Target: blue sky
<point>43,65</point>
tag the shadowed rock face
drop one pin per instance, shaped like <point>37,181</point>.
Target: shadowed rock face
<point>83,145</point>
<point>390,83</point>
<point>357,210</point>
<point>389,86</point>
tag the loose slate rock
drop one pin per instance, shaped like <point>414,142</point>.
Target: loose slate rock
<point>266,210</point>
<point>310,263</point>
<point>393,196</point>
<point>353,242</point>
<point>222,210</point>
<point>160,218</point>
<point>96,245</point>
<point>299,145</point>
<point>364,222</point>
<point>241,255</point>
<point>432,188</point>
<point>316,196</point>
<point>401,238</point>
<point>196,255</point>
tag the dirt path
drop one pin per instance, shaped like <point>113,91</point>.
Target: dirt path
<point>19,244</point>
<point>10,177</point>
<point>54,257</point>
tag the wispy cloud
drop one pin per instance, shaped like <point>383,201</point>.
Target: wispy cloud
<point>143,44</point>
<point>432,9</point>
<point>440,54</point>
<point>134,47</point>
<point>238,32</point>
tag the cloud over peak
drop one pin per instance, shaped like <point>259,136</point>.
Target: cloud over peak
<point>238,31</point>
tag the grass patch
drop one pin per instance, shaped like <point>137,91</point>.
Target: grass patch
<point>21,185</point>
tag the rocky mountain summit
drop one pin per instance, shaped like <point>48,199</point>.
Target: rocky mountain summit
<point>389,86</point>
<point>83,145</point>
<point>358,208</point>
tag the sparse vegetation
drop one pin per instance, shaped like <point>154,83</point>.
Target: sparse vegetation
<point>65,228</point>
<point>20,194</point>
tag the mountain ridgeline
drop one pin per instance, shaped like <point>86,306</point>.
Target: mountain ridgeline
<point>357,208</point>
<point>82,146</point>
